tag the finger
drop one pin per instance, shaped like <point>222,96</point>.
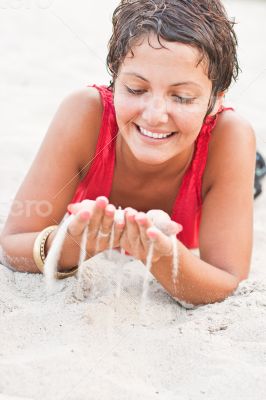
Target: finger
<point>133,233</point>
<point>129,209</point>
<point>108,219</point>
<point>113,224</point>
<point>144,223</point>
<point>98,214</point>
<point>78,224</point>
<point>105,237</point>
<point>171,228</point>
<point>131,225</point>
<point>162,243</point>
<point>74,208</point>
<point>177,228</point>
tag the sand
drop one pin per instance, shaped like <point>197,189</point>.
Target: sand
<point>95,347</point>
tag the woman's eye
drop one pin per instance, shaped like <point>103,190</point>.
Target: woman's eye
<point>179,99</point>
<point>184,100</point>
<point>132,91</point>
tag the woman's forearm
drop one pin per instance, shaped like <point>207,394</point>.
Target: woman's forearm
<point>16,251</point>
<point>70,253</point>
<point>197,282</point>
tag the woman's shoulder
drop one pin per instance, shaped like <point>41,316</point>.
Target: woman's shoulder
<point>232,136</point>
<point>79,110</point>
<point>80,115</point>
<point>231,123</point>
<point>83,103</point>
<point>232,147</point>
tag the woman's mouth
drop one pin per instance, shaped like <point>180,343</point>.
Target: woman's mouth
<point>154,135</point>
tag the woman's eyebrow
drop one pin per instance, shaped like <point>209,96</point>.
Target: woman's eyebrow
<point>174,84</point>
<point>137,75</point>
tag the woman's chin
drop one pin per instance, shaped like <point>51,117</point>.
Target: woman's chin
<point>150,159</point>
<point>148,152</point>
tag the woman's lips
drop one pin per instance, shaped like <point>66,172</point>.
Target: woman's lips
<point>152,138</point>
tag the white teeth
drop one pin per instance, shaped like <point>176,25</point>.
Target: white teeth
<point>154,135</point>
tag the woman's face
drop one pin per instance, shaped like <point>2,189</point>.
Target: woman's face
<point>161,97</point>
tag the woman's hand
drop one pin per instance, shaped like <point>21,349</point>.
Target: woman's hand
<point>99,217</point>
<point>134,233</point>
<point>140,232</point>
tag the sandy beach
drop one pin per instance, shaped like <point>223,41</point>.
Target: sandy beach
<point>61,346</point>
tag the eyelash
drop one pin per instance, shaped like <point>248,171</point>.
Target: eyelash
<point>182,100</point>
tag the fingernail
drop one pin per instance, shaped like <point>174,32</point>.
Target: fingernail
<point>140,219</point>
<point>85,215</point>
<point>102,201</point>
<point>110,209</point>
<point>131,217</point>
<point>152,232</point>
<point>70,208</point>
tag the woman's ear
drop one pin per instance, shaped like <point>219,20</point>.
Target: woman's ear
<point>217,104</point>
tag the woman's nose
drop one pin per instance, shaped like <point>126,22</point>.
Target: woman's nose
<point>155,111</point>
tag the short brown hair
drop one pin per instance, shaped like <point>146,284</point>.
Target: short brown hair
<point>203,24</point>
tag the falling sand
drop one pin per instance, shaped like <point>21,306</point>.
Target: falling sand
<point>159,218</point>
<point>51,262</point>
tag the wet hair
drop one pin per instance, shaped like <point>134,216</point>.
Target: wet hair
<point>203,24</point>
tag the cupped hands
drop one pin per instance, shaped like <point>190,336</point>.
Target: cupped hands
<point>130,230</point>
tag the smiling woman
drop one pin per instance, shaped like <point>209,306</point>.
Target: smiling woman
<point>177,90</point>
<point>157,138</point>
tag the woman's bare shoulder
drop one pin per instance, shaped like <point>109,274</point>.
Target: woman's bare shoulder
<point>80,116</point>
<point>82,110</point>
<point>232,146</point>
<point>232,128</point>
<point>88,97</point>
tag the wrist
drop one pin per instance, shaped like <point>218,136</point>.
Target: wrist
<point>69,257</point>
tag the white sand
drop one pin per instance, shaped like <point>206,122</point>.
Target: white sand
<point>60,348</point>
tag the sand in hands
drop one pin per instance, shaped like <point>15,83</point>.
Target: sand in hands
<point>159,218</point>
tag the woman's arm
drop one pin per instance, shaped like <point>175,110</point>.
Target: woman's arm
<point>226,223</point>
<point>53,178</point>
<point>226,227</point>
<point>198,282</point>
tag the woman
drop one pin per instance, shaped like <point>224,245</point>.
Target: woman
<point>157,138</point>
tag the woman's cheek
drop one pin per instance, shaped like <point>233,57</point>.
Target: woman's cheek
<point>189,121</point>
<point>126,108</point>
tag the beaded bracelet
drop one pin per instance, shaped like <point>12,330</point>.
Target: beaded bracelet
<point>39,252</point>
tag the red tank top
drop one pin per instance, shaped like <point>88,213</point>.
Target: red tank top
<point>188,203</point>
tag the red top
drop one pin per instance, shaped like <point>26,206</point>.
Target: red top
<point>188,203</point>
